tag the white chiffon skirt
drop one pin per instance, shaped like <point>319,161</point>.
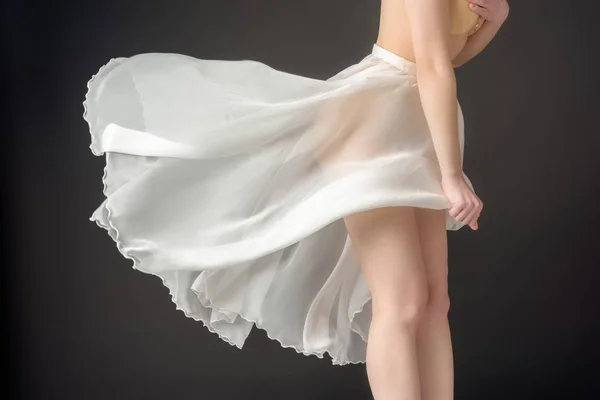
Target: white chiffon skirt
<point>229,180</point>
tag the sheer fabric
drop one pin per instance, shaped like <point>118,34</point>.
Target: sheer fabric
<point>229,181</point>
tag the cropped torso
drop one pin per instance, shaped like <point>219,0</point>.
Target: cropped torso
<point>394,33</point>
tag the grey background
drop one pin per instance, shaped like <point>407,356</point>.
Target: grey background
<point>80,323</point>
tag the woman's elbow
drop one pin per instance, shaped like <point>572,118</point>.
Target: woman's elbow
<point>459,61</point>
<point>456,63</point>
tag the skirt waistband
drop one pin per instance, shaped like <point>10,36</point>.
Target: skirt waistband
<point>399,62</point>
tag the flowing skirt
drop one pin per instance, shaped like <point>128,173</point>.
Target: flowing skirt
<point>229,180</point>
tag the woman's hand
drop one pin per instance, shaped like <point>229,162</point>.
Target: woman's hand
<point>492,10</point>
<point>495,13</point>
<point>465,204</point>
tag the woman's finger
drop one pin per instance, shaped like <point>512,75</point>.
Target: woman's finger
<point>463,215</point>
<point>474,225</point>
<point>484,12</point>
<point>481,3</point>
<point>473,216</point>
<point>456,208</point>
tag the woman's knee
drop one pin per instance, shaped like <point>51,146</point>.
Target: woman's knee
<point>402,310</point>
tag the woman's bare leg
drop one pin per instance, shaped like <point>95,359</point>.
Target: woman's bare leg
<point>386,242</point>
<point>433,336</point>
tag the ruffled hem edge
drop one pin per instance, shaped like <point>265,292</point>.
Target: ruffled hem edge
<point>113,232</point>
<point>86,114</point>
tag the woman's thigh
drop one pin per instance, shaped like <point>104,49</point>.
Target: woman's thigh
<point>434,246</point>
<point>387,244</point>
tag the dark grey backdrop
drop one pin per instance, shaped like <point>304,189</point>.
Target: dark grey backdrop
<point>80,323</point>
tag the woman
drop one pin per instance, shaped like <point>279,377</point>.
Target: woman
<point>315,210</point>
<point>403,250</point>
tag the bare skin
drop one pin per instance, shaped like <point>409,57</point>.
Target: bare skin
<point>403,250</point>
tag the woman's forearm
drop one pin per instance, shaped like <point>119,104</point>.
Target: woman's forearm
<point>437,89</point>
<point>478,41</point>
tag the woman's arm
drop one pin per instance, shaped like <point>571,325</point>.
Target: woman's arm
<point>429,22</point>
<point>495,13</point>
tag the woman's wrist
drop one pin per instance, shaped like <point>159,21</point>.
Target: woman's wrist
<point>452,174</point>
